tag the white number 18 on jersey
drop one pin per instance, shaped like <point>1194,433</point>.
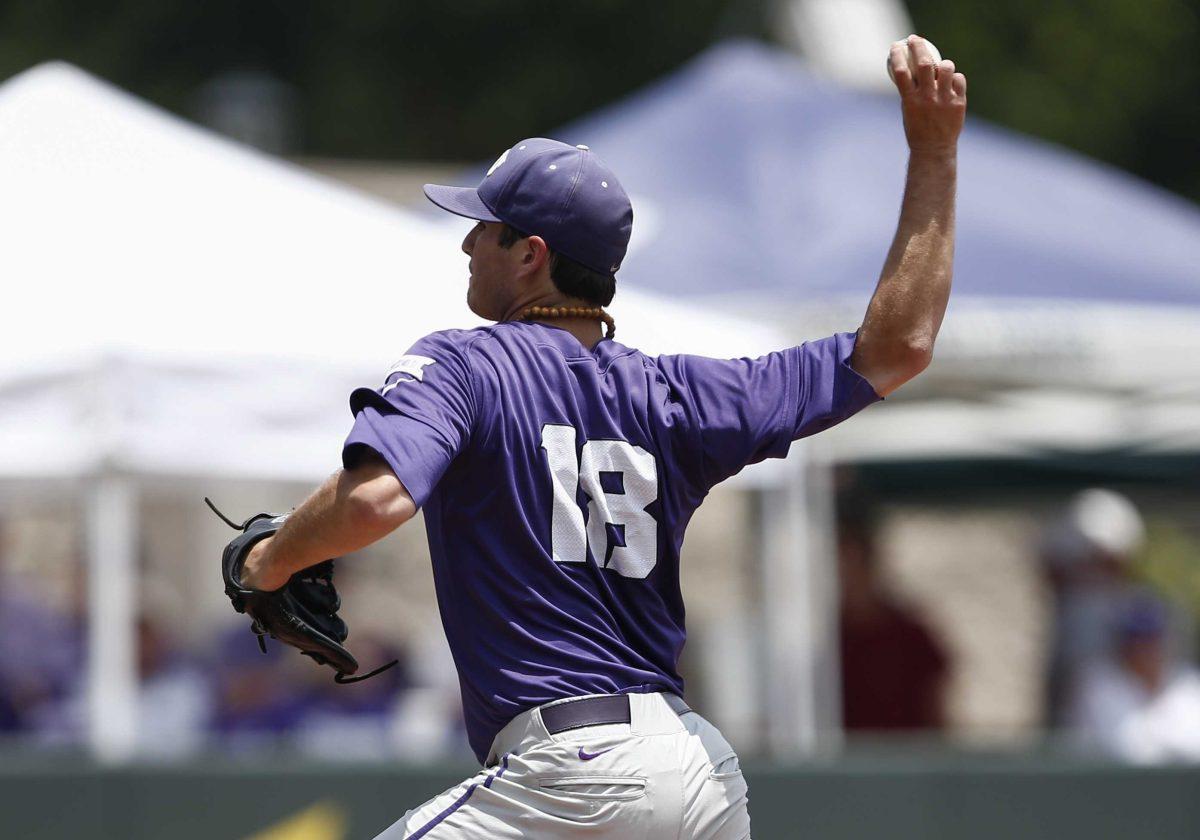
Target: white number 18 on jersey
<point>633,484</point>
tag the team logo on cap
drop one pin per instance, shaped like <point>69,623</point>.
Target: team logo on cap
<point>499,161</point>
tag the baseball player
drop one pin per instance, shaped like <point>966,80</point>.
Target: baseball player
<point>558,469</point>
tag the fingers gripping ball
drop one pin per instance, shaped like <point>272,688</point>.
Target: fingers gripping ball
<point>912,59</point>
<point>303,613</point>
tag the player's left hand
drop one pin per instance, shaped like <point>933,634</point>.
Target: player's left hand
<point>255,574</point>
<point>302,611</point>
<point>933,97</point>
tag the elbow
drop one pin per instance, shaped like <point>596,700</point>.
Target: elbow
<point>913,357</point>
<point>896,364</point>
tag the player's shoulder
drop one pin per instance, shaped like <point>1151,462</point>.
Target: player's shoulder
<point>683,365</point>
<point>437,355</point>
<point>450,341</point>
<point>446,346</point>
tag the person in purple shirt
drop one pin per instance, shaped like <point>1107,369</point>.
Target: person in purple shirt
<point>558,469</point>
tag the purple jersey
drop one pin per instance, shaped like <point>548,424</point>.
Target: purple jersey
<point>557,482</point>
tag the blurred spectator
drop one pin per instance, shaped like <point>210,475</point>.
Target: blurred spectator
<point>352,722</point>
<point>1087,555</point>
<point>256,700</point>
<point>428,722</point>
<point>893,669</point>
<point>42,658</point>
<point>1140,706</point>
<point>175,700</point>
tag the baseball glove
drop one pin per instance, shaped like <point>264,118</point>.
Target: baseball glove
<point>302,613</point>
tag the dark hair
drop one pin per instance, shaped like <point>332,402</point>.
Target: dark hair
<point>570,278</point>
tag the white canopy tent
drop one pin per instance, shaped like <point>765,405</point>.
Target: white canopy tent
<point>134,238</point>
<point>178,305</point>
<point>1032,379</point>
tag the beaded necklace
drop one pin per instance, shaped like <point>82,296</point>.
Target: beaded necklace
<point>593,312</point>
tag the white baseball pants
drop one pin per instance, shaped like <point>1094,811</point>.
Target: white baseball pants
<point>667,775</point>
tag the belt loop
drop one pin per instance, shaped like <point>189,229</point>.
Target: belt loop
<point>535,718</point>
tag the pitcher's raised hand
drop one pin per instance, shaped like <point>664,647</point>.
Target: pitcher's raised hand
<point>933,96</point>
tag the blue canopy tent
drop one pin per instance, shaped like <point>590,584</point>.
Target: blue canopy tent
<point>761,178</point>
<point>769,191</point>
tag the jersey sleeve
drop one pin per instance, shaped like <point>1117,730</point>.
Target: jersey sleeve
<point>421,418</point>
<point>739,411</point>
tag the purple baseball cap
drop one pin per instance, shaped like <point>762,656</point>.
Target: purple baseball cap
<point>564,194</point>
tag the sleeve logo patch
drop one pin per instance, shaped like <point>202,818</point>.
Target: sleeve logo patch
<point>410,368</point>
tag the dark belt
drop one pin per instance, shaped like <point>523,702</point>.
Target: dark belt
<point>586,711</point>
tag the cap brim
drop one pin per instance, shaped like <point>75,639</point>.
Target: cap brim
<point>462,201</point>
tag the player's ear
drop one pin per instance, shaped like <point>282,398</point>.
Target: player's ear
<point>535,255</point>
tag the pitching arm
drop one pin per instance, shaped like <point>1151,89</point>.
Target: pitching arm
<point>352,509</point>
<point>895,341</point>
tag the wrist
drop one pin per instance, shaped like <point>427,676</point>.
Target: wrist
<point>944,155</point>
<point>256,569</point>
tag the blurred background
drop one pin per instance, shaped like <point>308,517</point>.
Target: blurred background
<point>970,611</point>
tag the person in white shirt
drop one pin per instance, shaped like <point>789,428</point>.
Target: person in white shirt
<point>1142,706</point>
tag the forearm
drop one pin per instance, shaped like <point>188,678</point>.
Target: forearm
<point>906,311</point>
<point>895,341</point>
<point>351,510</point>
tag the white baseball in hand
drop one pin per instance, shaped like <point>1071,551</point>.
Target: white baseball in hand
<point>912,60</point>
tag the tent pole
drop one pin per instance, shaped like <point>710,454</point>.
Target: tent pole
<point>791,713</point>
<point>111,676</point>
<point>820,512</point>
